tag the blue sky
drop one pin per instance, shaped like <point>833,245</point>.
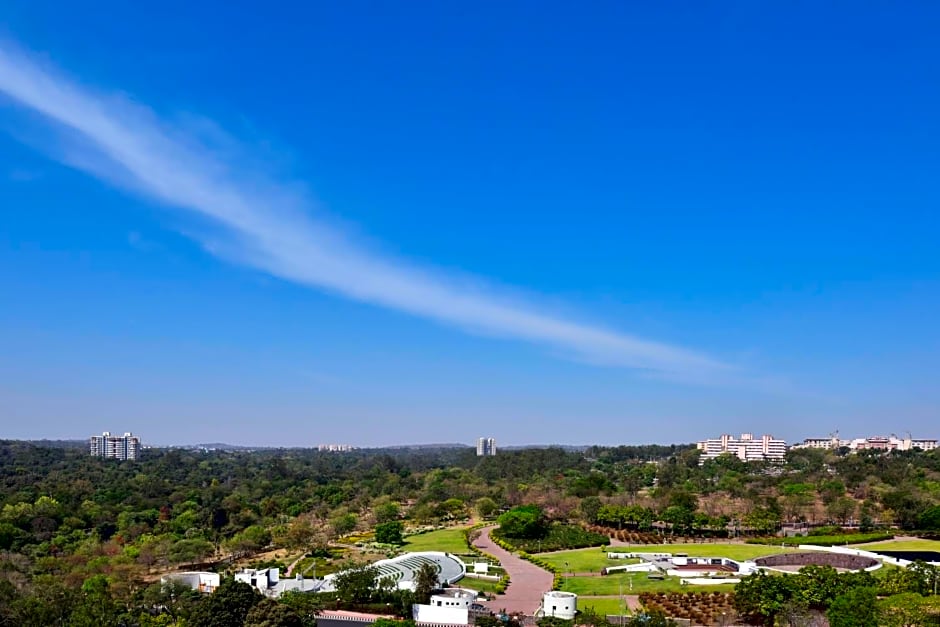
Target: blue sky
<point>378,223</point>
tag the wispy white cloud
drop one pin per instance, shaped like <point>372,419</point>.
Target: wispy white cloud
<point>267,223</point>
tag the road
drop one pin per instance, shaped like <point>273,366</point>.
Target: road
<point>527,584</point>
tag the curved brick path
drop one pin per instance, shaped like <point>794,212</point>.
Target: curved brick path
<point>527,582</point>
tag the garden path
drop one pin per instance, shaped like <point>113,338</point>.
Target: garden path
<point>527,582</point>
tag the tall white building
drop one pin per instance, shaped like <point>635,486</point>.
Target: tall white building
<point>486,446</point>
<point>121,447</point>
<point>747,448</point>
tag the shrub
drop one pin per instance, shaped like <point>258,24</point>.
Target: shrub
<point>559,537</point>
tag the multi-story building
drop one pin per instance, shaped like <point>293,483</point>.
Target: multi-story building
<point>121,447</point>
<point>875,443</point>
<point>486,446</point>
<point>337,448</point>
<point>747,448</point>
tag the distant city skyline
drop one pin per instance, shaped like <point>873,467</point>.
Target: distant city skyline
<point>413,223</point>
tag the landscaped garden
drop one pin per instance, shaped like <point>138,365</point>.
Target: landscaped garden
<point>618,583</point>
<point>526,528</point>
<point>450,540</point>
<point>592,560</point>
<point>901,545</point>
<point>824,540</point>
<point>480,585</point>
<point>702,608</point>
<point>605,606</point>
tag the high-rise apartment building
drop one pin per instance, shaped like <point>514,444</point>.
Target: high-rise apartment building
<point>121,447</point>
<point>486,446</point>
<point>747,448</point>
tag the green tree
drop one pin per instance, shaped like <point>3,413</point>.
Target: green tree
<point>270,613</point>
<point>903,610</point>
<point>486,507</point>
<point>841,509</point>
<point>176,598</point>
<point>856,608</point>
<point>251,540</point>
<point>762,520</point>
<point>228,606</point>
<point>385,510</point>
<point>305,605</point>
<point>589,507</point>
<point>95,608</point>
<point>357,584</point>
<point>924,577</point>
<point>343,523</point>
<point>930,519</point>
<point>761,597</point>
<point>426,582</point>
<point>389,532</point>
<point>190,551</point>
<point>452,508</point>
<point>817,586</point>
<point>525,521</point>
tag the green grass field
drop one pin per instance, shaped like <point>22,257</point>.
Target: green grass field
<point>614,584</point>
<point>901,545</point>
<point>590,560</point>
<point>593,560</point>
<point>480,585</point>
<point>448,540</point>
<point>603,606</point>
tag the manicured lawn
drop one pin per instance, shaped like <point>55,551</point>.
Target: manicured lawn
<point>603,606</point>
<point>614,584</point>
<point>480,585</point>
<point>731,551</point>
<point>581,560</point>
<point>901,545</point>
<point>448,540</point>
<point>593,560</point>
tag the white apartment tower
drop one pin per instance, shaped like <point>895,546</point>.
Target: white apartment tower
<point>109,446</point>
<point>486,446</point>
<point>747,448</point>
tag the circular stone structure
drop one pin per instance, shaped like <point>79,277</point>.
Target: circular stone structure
<point>401,571</point>
<point>559,604</point>
<point>836,560</point>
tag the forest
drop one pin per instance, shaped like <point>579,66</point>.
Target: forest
<point>84,541</point>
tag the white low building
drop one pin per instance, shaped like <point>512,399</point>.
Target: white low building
<point>559,604</point>
<point>269,583</point>
<point>198,581</point>
<point>874,443</point>
<point>451,606</point>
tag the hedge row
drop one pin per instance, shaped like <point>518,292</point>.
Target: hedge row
<point>556,581</point>
<point>833,540</point>
<point>504,581</point>
<point>560,537</point>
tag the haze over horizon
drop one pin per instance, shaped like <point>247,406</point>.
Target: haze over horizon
<point>380,224</point>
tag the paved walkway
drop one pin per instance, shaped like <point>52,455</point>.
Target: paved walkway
<point>527,582</point>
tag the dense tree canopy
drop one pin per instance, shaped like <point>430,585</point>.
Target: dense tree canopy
<point>82,538</point>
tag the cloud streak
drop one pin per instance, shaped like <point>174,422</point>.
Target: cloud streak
<point>266,223</point>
